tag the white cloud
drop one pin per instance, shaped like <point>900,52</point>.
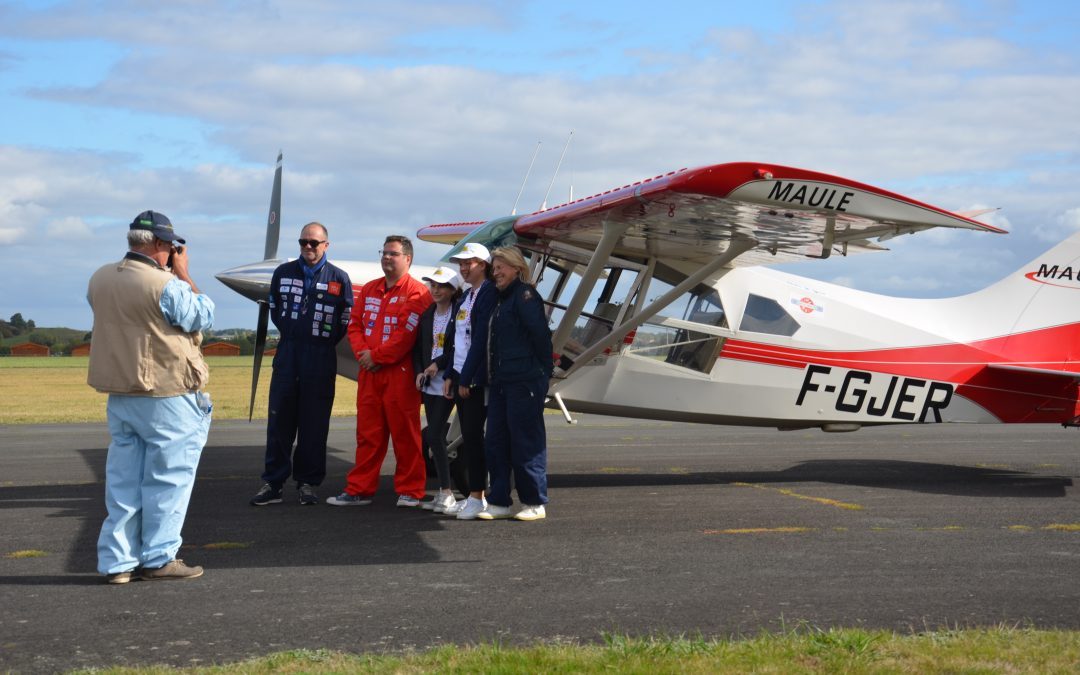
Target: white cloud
<point>931,99</point>
<point>10,234</point>
<point>69,228</point>
<point>1060,227</point>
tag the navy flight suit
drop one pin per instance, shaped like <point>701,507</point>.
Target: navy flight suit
<point>310,307</point>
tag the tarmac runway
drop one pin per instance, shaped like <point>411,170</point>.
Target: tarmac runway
<point>653,528</point>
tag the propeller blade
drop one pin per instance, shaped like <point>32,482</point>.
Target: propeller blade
<point>260,344</point>
<point>273,221</point>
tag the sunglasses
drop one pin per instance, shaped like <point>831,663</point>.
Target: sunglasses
<point>312,243</point>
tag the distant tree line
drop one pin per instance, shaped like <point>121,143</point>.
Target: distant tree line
<point>58,342</point>
<point>16,326</point>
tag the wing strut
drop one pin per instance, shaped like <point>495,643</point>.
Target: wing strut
<point>735,249</point>
<point>612,233</point>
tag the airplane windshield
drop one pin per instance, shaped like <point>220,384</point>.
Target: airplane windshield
<point>705,307</point>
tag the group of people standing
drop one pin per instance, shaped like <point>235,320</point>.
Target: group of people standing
<point>475,339</point>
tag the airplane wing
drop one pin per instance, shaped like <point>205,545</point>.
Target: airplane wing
<point>687,217</point>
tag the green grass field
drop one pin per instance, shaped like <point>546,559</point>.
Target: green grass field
<point>44,390</point>
<point>804,650</point>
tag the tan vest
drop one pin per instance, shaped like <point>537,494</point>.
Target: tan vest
<point>134,350</point>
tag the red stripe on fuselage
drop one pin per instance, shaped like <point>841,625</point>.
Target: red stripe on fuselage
<point>1010,396</point>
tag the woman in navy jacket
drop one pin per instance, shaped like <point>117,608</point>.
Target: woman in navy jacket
<point>519,366</point>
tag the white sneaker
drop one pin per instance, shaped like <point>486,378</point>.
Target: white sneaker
<point>494,512</point>
<point>455,508</point>
<point>531,513</point>
<point>443,502</point>
<point>407,502</point>
<point>472,507</point>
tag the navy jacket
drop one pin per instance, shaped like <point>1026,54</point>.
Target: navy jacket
<point>425,340</point>
<point>311,316</point>
<point>519,340</point>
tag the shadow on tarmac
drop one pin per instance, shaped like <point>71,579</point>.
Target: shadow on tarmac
<point>924,477</point>
<point>220,521</point>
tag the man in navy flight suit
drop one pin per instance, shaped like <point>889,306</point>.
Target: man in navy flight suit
<point>310,303</point>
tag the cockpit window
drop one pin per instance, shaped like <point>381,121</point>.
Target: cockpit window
<point>705,307</point>
<point>765,315</point>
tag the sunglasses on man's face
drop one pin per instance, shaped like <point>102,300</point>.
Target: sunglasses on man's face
<point>310,243</point>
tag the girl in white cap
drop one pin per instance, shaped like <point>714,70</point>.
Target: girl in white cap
<point>430,360</point>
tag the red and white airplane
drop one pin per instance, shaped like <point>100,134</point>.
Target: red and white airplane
<point>676,316</point>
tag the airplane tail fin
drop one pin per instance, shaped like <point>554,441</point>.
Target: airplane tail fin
<point>1034,313</point>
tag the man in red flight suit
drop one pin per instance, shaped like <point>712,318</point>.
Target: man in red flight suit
<point>382,332</point>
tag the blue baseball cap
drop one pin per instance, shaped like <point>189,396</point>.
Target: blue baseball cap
<point>158,223</point>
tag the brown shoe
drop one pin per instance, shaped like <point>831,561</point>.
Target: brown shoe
<point>118,577</point>
<point>175,569</point>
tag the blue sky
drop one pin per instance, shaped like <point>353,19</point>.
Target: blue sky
<point>395,115</point>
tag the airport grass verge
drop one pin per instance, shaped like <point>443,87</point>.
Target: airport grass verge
<point>800,650</point>
<point>53,390</point>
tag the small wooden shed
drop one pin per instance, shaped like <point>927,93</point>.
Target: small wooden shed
<point>81,350</point>
<point>221,349</point>
<point>29,349</point>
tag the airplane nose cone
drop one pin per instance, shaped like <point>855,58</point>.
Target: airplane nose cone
<point>252,280</point>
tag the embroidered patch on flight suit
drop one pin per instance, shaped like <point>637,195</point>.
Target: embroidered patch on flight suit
<point>319,286</point>
<point>335,288</point>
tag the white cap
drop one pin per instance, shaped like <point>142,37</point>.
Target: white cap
<point>472,250</point>
<point>445,275</point>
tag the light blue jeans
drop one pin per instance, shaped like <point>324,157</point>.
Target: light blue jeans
<point>149,474</point>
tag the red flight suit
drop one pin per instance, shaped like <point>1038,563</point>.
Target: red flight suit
<point>385,321</point>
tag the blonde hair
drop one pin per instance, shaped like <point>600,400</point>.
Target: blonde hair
<point>512,257</point>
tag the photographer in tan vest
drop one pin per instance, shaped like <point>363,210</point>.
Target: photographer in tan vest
<point>148,318</point>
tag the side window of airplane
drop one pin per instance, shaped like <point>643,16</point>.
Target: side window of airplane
<point>765,315</point>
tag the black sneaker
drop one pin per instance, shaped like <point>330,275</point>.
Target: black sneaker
<point>307,494</point>
<point>267,494</point>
